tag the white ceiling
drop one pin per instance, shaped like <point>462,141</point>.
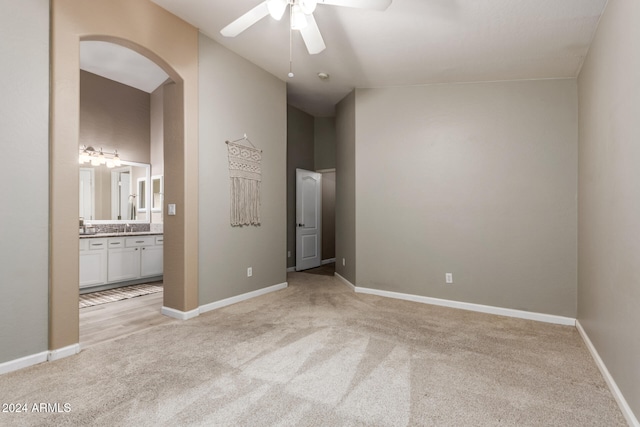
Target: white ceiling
<point>413,42</point>
<point>121,64</point>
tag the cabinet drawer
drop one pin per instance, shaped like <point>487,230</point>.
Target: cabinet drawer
<point>131,242</point>
<point>116,242</point>
<point>84,244</point>
<point>97,244</point>
<point>159,240</point>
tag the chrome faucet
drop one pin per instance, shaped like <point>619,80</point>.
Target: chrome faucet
<point>125,228</point>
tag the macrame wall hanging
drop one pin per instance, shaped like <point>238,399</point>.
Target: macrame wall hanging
<point>245,173</point>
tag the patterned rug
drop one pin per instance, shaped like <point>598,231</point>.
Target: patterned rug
<point>118,294</point>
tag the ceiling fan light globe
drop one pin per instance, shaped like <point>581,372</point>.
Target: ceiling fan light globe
<point>308,6</point>
<point>276,8</point>
<point>298,20</point>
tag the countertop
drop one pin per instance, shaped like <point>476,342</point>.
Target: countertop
<point>131,233</point>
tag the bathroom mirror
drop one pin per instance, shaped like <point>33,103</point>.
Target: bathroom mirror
<point>157,191</point>
<point>112,195</point>
<point>141,195</point>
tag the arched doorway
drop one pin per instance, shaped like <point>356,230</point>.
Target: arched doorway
<point>175,49</point>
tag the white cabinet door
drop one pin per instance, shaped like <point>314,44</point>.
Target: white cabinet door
<point>93,268</point>
<point>151,261</point>
<point>124,264</point>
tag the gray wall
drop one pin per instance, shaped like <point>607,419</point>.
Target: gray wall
<point>328,215</point>
<point>324,146</point>
<point>609,195</point>
<point>324,142</point>
<point>346,188</point>
<point>229,108</point>
<point>478,180</point>
<point>24,212</point>
<point>300,154</point>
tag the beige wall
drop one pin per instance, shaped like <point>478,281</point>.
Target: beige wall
<point>229,108</point>
<point>609,207</point>
<point>346,188</point>
<point>175,50</point>
<point>114,116</point>
<point>478,180</point>
<point>300,154</point>
<point>156,107</point>
<point>156,133</point>
<point>24,212</point>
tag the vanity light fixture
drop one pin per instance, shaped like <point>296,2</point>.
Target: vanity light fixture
<point>98,157</point>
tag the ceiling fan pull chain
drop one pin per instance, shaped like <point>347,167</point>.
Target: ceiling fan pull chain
<point>290,43</point>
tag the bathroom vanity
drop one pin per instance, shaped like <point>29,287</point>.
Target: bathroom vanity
<point>121,240</point>
<point>110,260</point>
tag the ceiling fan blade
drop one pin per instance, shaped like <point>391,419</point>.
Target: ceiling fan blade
<point>312,37</point>
<point>361,4</point>
<point>246,20</point>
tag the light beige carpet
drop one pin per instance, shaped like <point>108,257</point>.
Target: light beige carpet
<point>317,354</point>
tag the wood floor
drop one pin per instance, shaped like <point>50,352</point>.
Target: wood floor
<point>106,322</point>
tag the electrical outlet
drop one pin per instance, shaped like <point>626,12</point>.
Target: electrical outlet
<point>448,277</point>
<point>249,272</point>
<point>343,262</point>
<point>288,254</point>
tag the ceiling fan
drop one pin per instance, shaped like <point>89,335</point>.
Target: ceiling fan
<point>301,15</point>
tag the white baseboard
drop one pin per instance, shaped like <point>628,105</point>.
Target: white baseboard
<point>291,269</point>
<point>521,314</point>
<point>63,352</point>
<point>180,315</point>
<point>617,394</point>
<point>243,297</point>
<point>34,359</point>
<point>23,362</point>
<point>345,281</point>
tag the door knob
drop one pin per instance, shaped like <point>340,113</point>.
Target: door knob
<point>300,225</point>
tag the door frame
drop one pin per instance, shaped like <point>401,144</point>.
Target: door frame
<point>71,22</point>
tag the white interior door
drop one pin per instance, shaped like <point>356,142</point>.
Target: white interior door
<point>308,219</point>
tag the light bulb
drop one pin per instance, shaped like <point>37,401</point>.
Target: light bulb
<point>298,20</point>
<point>84,157</point>
<point>101,158</point>
<point>110,164</point>
<point>276,8</point>
<point>95,161</point>
<point>116,160</point>
<point>290,74</point>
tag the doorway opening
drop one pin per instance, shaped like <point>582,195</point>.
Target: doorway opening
<point>175,50</point>
<point>121,258</point>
